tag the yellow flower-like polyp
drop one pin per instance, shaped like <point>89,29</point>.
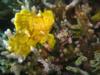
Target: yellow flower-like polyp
<point>20,44</point>
<point>31,28</point>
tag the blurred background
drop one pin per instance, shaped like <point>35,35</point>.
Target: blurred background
<point>8,7</point>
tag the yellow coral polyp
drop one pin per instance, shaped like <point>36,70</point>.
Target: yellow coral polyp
<point>31,28</point>
<point>34,22</point>
<point>20,44</point>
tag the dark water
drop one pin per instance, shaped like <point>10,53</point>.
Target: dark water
<point>4,24</point>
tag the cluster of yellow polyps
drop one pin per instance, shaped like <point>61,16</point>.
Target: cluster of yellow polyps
<point>31,28</point>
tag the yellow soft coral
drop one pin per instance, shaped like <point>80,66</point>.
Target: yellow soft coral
<point>38,25</point>
<point>34,22</point>
<point>31,28</point>
<point>49,39</point>
<point>20,44</point>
